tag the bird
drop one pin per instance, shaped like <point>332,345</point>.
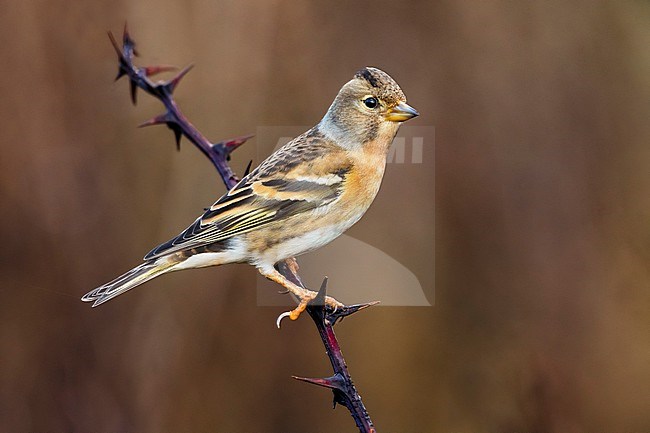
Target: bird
<point>300,198</point>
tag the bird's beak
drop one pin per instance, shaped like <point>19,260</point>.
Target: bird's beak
<point>401,112</point>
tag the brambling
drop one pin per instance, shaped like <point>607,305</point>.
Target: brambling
<point>300,198</point>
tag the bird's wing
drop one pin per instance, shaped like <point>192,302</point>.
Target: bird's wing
<point>307,173</point>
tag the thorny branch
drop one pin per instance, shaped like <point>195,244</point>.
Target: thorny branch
<point>323,316</point>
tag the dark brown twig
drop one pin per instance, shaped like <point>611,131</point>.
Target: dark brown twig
<point>219,153</point>
<point>340,382</point>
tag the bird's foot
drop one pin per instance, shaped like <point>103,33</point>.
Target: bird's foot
<point>306,296</point>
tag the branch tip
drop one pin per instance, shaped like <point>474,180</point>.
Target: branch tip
<point>127,42</point>
<point>125,32</point>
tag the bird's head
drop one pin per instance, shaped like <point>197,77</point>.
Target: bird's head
<point>369,107</point>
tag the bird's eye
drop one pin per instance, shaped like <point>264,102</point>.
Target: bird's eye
<point>371,102</point>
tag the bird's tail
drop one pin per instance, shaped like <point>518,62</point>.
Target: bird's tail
<point>133,278</point>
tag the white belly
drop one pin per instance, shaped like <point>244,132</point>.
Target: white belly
<point>302,244</point>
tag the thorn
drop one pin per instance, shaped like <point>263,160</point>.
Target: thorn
<point>134,90</point>
<point>125,33</point>
<point>118,50</point>
<point>248,168</point>
<point>359,307</point>
<point>158,120</point>
<point>171,84</point>
<point>123,62</point>
<point>153,70</point>
<point>177,134</point>
<point>127,41</point>
<point>320,296</point>
<point>323,285</point>
<point>120,74</point>
<point>171,124</point>
<point>339,398</point>
<point>332,382</point>
<point>226,147</point>
<point>348,310</point>
<point>234,143</point>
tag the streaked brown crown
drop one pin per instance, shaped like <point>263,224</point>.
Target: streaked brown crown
<point>387,89</point>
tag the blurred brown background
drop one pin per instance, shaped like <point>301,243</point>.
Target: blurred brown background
<point>542,210</point>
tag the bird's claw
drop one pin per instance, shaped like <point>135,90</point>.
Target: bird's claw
<point>278,321</point>
<point>302,306</point>
<point>296,312</point>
